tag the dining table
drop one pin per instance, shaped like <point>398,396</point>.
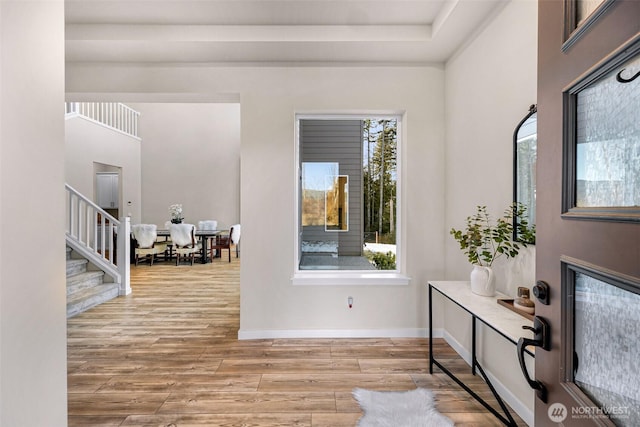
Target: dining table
<point>203,235</point>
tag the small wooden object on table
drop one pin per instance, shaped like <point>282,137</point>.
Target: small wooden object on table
<point>508,303</point>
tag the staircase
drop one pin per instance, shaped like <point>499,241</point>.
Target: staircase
<point>92,234</point>
<point>93,237</point>
<point>86,289</point>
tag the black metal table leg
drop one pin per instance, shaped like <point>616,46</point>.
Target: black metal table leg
<point>507,418</point>
<point>204,240</point>
<point>430,330</point>
<point>474,361</point>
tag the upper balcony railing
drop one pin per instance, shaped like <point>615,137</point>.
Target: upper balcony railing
<point>114,115</point>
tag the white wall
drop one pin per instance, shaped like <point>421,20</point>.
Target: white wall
<point>269,98</point>
<point>268,300</point>
<point>87,143</point>
<point>190,155</point>
<point>32,268</point>
<point>206,137</point>
<point>489,88</point>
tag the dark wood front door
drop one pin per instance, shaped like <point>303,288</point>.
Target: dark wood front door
<point>588,218</point>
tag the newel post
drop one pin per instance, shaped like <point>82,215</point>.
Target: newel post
<point>124,252</point>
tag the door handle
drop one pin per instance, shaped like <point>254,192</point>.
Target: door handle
<point>542,339</point>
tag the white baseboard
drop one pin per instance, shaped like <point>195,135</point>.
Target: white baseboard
<point>459,348</point>
<point>336,333</point>
<point>518,406</point>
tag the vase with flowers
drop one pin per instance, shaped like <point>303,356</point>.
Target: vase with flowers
<point>175,213</point>
<point>483,241</point>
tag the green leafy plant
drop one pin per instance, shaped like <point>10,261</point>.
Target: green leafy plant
<point>525,233</point>
<point>483,241</point>
<point>382,261</point>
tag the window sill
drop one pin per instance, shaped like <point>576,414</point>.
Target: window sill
<point>349,278</point>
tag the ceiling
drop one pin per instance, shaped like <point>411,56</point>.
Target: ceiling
<point>271,32</point>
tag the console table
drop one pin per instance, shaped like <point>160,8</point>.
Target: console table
<point>505,322</point>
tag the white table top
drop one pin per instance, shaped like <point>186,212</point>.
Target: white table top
<point>487,309</point>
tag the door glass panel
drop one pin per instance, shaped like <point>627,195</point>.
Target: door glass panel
<point>336,202</point>
<point>314,186</point>
<point>606,345</point>
<point>314,214</point>
<point>608,140</point>
<point>584,8</point>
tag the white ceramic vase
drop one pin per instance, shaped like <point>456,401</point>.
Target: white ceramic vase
<point>483,281</point>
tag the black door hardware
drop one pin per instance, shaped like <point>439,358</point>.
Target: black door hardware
<point>541,338</point>
<point>541,291</point>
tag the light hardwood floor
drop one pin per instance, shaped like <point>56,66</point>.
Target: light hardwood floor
<point>168,355</point>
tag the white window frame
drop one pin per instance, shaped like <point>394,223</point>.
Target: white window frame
<point>352,277</point>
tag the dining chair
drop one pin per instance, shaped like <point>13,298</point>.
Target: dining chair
<point>235,237</point>
<point>184,241</point>
<point>145,236</point>
<point>223,241</point>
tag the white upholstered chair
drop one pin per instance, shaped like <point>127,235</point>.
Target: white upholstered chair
<point>184,241</point>
<point>145,236</point>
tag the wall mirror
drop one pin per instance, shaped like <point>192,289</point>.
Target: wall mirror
<point>525,139</point>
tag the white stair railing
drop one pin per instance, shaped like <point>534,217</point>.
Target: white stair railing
<point>93,233</point>
<point>114,115</point>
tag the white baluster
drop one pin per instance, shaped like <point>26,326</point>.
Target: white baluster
<point>102,237</point>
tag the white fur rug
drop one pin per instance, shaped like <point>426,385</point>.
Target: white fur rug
<point>414,408</point>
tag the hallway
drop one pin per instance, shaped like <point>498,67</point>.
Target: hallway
<point>168,355</point>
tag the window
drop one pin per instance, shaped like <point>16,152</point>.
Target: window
<point>325,197</point>
<point>602,141</point>
<point>600,362</point>
<point>347,197</point>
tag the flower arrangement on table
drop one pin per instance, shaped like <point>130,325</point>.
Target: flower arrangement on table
<point>483,242</point>
<point>175,212</point>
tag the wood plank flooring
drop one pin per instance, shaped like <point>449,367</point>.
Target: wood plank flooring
<point>168,355</point>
